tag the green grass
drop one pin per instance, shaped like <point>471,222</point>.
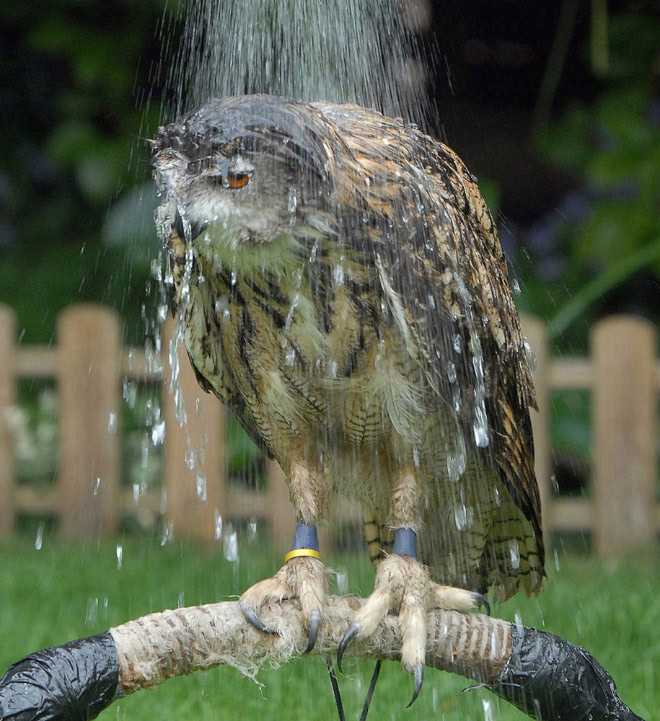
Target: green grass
<point>65,591</point>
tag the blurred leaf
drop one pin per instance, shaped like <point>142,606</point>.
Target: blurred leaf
<point>129,224</point>
<point>566,142</point>
<point>587,294</point>
<point>71,141</point>
<point>633,44</point>
<point>97,177</point>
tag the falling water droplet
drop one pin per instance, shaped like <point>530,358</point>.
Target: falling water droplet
<point>112,422</point>
<point>451,372</point>
<point>456,466</point>
<point>514,554</point>
<point>168,533</point>
<point>488,711</point>
<point>230,544</point>
<point>129,392</point>
<point>342,581</point>
<point>200,487</point>
<point>217,518</point>
<point>97,485</point>
<point>158,433</point>
<point>519,623</point>
<point>156,270</point>
<point>190,457</point>
<point>460,517</point>
<point>38,541</point>
<point>92,610</point>
<point>289,315</point>
<point>144,452</point>
<point>252,530</point>
<point>292,203</point>
<point>530,356</point>
<point>480,426</point>
<point>120,555</point>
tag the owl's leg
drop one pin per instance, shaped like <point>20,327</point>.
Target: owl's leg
<point>303,575</point>
<point>404,585</point>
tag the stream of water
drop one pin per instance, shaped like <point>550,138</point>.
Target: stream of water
<point>358,51</point>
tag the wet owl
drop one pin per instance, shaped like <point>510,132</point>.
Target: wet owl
<point>342,289</point>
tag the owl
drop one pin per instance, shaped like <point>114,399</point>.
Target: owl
<point>341,287</point>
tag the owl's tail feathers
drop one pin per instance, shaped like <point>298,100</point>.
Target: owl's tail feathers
<point>379,537</point>
<point>515,560</point>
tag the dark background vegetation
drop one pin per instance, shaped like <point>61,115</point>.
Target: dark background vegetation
<point>553,105</point>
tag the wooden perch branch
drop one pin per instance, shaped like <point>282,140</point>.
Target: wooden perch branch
<point>162,645</point>
<point>545,676</point>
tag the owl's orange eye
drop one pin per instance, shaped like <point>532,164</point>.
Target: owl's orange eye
<point>237,180</point>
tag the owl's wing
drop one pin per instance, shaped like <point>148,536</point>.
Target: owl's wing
<point>202,337</point>
<point>444,277</point>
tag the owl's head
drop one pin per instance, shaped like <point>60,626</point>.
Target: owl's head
<point>243,171</point>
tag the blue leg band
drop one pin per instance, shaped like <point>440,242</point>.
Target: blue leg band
<point>306,537</point>
<point>405,542</point>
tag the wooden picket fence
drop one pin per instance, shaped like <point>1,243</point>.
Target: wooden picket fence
<point>89,366</point>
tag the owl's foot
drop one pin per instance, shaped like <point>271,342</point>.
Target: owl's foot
<point>404,585</point>
<point>303,576</point>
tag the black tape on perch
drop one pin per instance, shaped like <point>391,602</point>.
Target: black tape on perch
<point>545,676</point>
<point>550,679</point>
<point>75,682</point>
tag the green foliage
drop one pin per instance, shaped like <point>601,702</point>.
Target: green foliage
<point>79,102</point>
<point>613,145</point>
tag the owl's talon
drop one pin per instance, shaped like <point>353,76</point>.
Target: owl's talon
<point>419,680</point>
<point>314,622</point>
<point>352,632</point>
<point>480,600</point>
<point>251,617</point>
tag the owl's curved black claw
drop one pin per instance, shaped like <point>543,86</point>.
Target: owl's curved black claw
<point>314,622</point>
<point>419,680</point>
<point>481,600</point>
<point>252,618</point>
<point>352,632</point>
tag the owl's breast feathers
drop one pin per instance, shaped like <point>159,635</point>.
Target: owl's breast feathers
<point>392,272</point>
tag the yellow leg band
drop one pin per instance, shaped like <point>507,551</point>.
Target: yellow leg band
<point>297,552</point>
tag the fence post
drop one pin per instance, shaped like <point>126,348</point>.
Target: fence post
<point>194,450</point>
<point>623,351</point>
<point>7,399</point>
<point>88,383</point>
<point>535,330</point>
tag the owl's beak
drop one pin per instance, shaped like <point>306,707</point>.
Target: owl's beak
<point>195,229</point>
